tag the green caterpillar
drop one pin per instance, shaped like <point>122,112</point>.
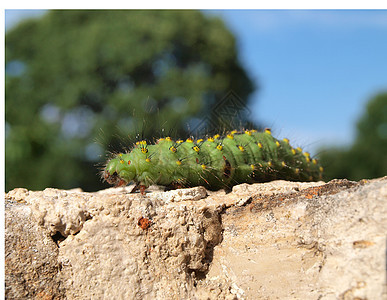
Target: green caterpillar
<point>215,163</point>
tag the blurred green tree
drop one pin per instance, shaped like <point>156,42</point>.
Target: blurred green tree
<point>367,157</point>
<point>78,80</point>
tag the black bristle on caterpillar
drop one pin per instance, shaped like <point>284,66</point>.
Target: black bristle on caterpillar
<point>215,162</point>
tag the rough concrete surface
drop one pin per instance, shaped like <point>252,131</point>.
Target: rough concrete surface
<point>276,240</point>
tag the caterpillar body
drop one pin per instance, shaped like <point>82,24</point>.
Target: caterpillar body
<point>216,162</point>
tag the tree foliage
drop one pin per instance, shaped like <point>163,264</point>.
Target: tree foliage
<point>77,81</point>
<point>367,157</point>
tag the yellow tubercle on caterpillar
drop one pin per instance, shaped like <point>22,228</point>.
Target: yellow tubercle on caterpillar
<point>122,161</point>
<point>297,170</point>
<point>189,140</point>
<point>219,147</point>
<point>293,151</point>
<point>286,140</point>
<point>210,139</point>
<point>230,136</point>
<point>204,167</point>
<point>141,143</point>
<point>148,159</point>
<point>270,164</point>
<point>314,161</point>
<point>199,141</point>
<point>248,132</point>
<point>277,144</point>
<point>196,148</point>
<point>321,169</point>
<point>144,150</point>
<point>216,136</point>
<point>120,155</point>
<point>168,139</point>
<point>252,167</point>
<point>234,132</point>
<point>260,145</point>
<point>241,148</point>
<point>283,164</point>
<point>299,149</point>
<point>179,141</point>
<point>268,131</point>
<point>178,162</point>
<point>173,149</point>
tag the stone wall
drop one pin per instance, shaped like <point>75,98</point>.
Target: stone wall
<point>277,240</point>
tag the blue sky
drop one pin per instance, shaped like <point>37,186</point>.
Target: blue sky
<point>316,68</point>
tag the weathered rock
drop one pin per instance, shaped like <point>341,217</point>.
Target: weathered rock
<point>270,241</point>
<point>326,242</point>
<point>31,256</point>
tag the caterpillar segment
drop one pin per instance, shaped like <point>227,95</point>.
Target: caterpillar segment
<point>215,162</point>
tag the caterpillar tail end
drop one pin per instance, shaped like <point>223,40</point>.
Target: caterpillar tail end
<point>113,179</point>
<point>117,181</point>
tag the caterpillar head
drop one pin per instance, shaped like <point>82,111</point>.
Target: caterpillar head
<point>119,170</point>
